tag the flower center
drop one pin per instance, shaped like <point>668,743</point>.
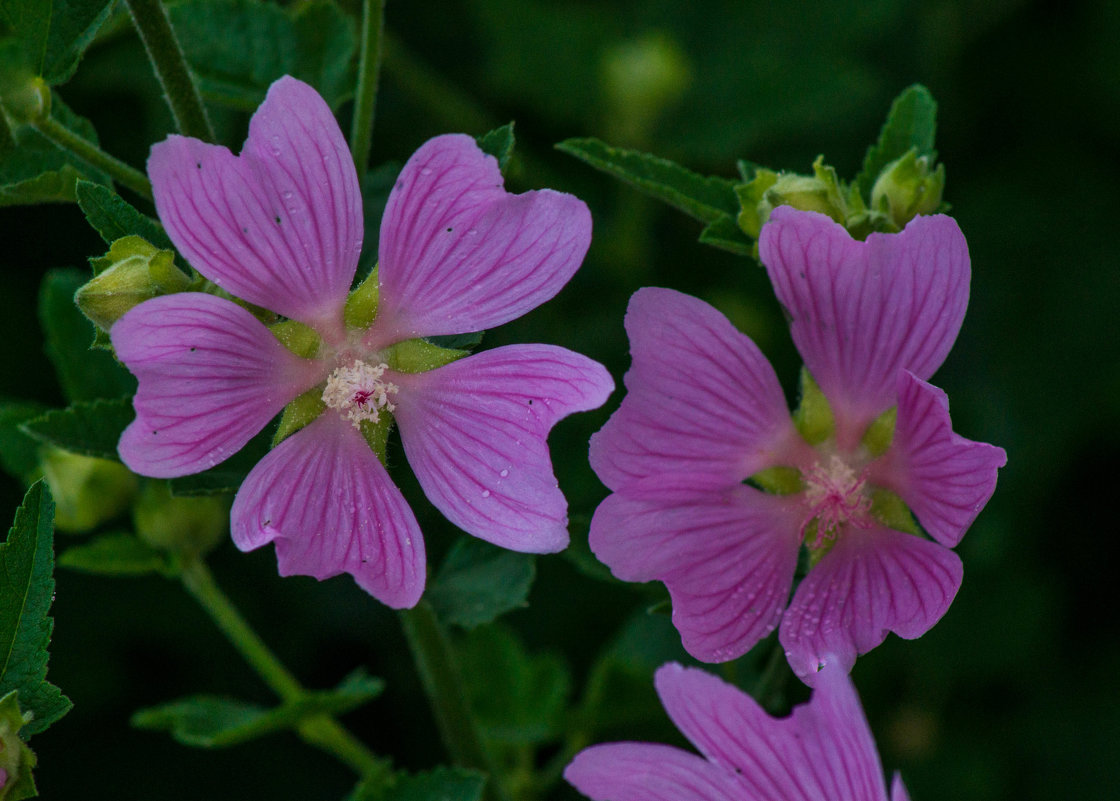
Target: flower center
<point>358,392</point>
<point>835,495</point>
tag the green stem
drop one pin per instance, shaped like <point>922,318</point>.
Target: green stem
<point>322,731</point>
<point>95,156</point>
<point>369,71</point>
<point>439,673</point>
<point>170,65</point>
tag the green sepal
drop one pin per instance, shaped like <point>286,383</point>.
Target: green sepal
<point>300,339</point>
<point>16,759</point>
<point>376,435</point>
<point>880,433</point>
<point>499,144</point>
<point>750,197</point>
<point>361,304</point>
<point>116,553</point>
<point>420,356</point>
<point>778,480</point>
<point>133,271</point>
<point>478,582</point>
<point>814,551</point>
<point>113,217</point>
<point>90,428</point>
<point>890,510</point>
<point>813,416</point>
<point>207,721</point>
<point>87,491</point>
<point>911,124</point>
<point>299,413</point>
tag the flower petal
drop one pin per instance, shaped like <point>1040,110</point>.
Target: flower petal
<point>326,501</point>
<point>944,478</point>
<point>211,376</point>
<point>700,397</point>
<point>281,225</point>
<point>649,772</point>
<point>460,254</point>
<point>898,789</point>
<point>861,311</point>
<point>726,554</point>
<point>872,581</point>
<point>823,750</point>
<point>476,434</point>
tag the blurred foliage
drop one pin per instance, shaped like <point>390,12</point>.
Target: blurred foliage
<point>1010,696</point>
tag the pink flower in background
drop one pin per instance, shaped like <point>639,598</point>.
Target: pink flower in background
<point>705,412</point>
<point>280,226</point>
<point>824,750</point>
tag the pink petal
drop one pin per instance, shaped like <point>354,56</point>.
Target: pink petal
<point>824,750</point>
<point>326,501</point>
<point>861,311</point>
<point>211,376</point>
<point>898,789</point>
<point>944,478</point>
<point>726,554</point>
<point>873,581</point>
<point>650,772</point>
<point>476,435</point>
<point>460,254</point>
<point>281,225</point>
<point>701,397</point>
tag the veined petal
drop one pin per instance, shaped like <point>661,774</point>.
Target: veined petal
<point>823,750</point>
<point>476,434</point>
<point>861,311</point>
<point>944,478</point>
<point>211,376</point>
<point>872,581</point>
<point>460,254</point>
<point>281,225</point>
<point>650,772</point>
<point>325,500</point>
<point>726,554</point>
<point>701,397</point>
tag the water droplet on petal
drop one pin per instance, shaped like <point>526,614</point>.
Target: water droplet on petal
<point>486,493</point>
<point>426,171</point>
<point>504,473</point>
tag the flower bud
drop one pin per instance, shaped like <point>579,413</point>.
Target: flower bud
<point>641,78</point>
<point>26,99</point>
<point>821,192</point>
<point>16,759</point>
<point>133,271</point>
<point>87,491</point>
<point>907,187</point>
<point>188,526</point>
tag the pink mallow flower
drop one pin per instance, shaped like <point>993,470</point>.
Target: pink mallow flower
<point>824,750</point>
<point>280,226</point>
<point>704,413</point>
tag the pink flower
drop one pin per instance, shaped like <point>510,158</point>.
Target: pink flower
<point>824,750</point>
<point>873,320</point>
<point>280,226</point>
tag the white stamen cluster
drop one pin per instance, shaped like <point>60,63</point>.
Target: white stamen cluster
<point>836,495</point>
<point>359,393</point>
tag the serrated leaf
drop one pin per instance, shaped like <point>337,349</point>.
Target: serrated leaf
<point>26,592</point>
<point>499,144</point>
<point>911,123</point>
<point>519,698</point>
<point>207,721</point>
<point>91,428</point>
<point>84,373</point>
<point>227,476</point>
<point>114,218</point>
<point>706,199</point>
<point>115,554</point>
<point>19,452</point>
<point>478,582</point>
<point>725,234</point>
<point>441,784</point>
<point>55,32</point>
<point>237,48</point>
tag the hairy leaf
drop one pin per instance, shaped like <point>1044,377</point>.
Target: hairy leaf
<point>115,554</point>
<point>114,218</point>
<point>91,428</point>
<point>911,123</point>
<point>478,582</point>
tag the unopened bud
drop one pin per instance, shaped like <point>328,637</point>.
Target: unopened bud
<point>87,491</point>
<point>16,759</point>
<point>821,192</point>
<point>641,78</point>
<point>907,187</point>
<point>134,270</point>
<point>186,525</point>
<point>26,99</point>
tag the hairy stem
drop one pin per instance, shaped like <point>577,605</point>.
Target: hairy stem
<point>91,154</point>
<point>369,73</point>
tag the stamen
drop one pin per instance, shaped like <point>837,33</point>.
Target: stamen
<point>359,393</point>
<point>835,496</point>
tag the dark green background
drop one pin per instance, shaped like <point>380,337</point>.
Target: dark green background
<point>1013,694</point>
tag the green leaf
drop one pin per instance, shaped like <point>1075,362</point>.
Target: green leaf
<point>84,373</point>
<point>478,582</point>
<point>208,721</point>
<point>911,123</point>
<point>115,554</point>
<point>519,698</point>
<point>26,592</point>
<point>725,234</point>
<point>499,144</point>
<point>54,32</point>
<point>19,452</point>
<point>441,784</point>
<point>237,48</point>
<point>706,199</point>
<point>91,428</point>
<point>114,218</point>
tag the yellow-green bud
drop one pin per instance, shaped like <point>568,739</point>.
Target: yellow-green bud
<point>821,192</point>
<point>87,491</point>
<point>907,187</point>
<point>26,99</point>
<point>134,270</point>
<point>16,759</point>
<point>641,78</point>
<point>188,526</point>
